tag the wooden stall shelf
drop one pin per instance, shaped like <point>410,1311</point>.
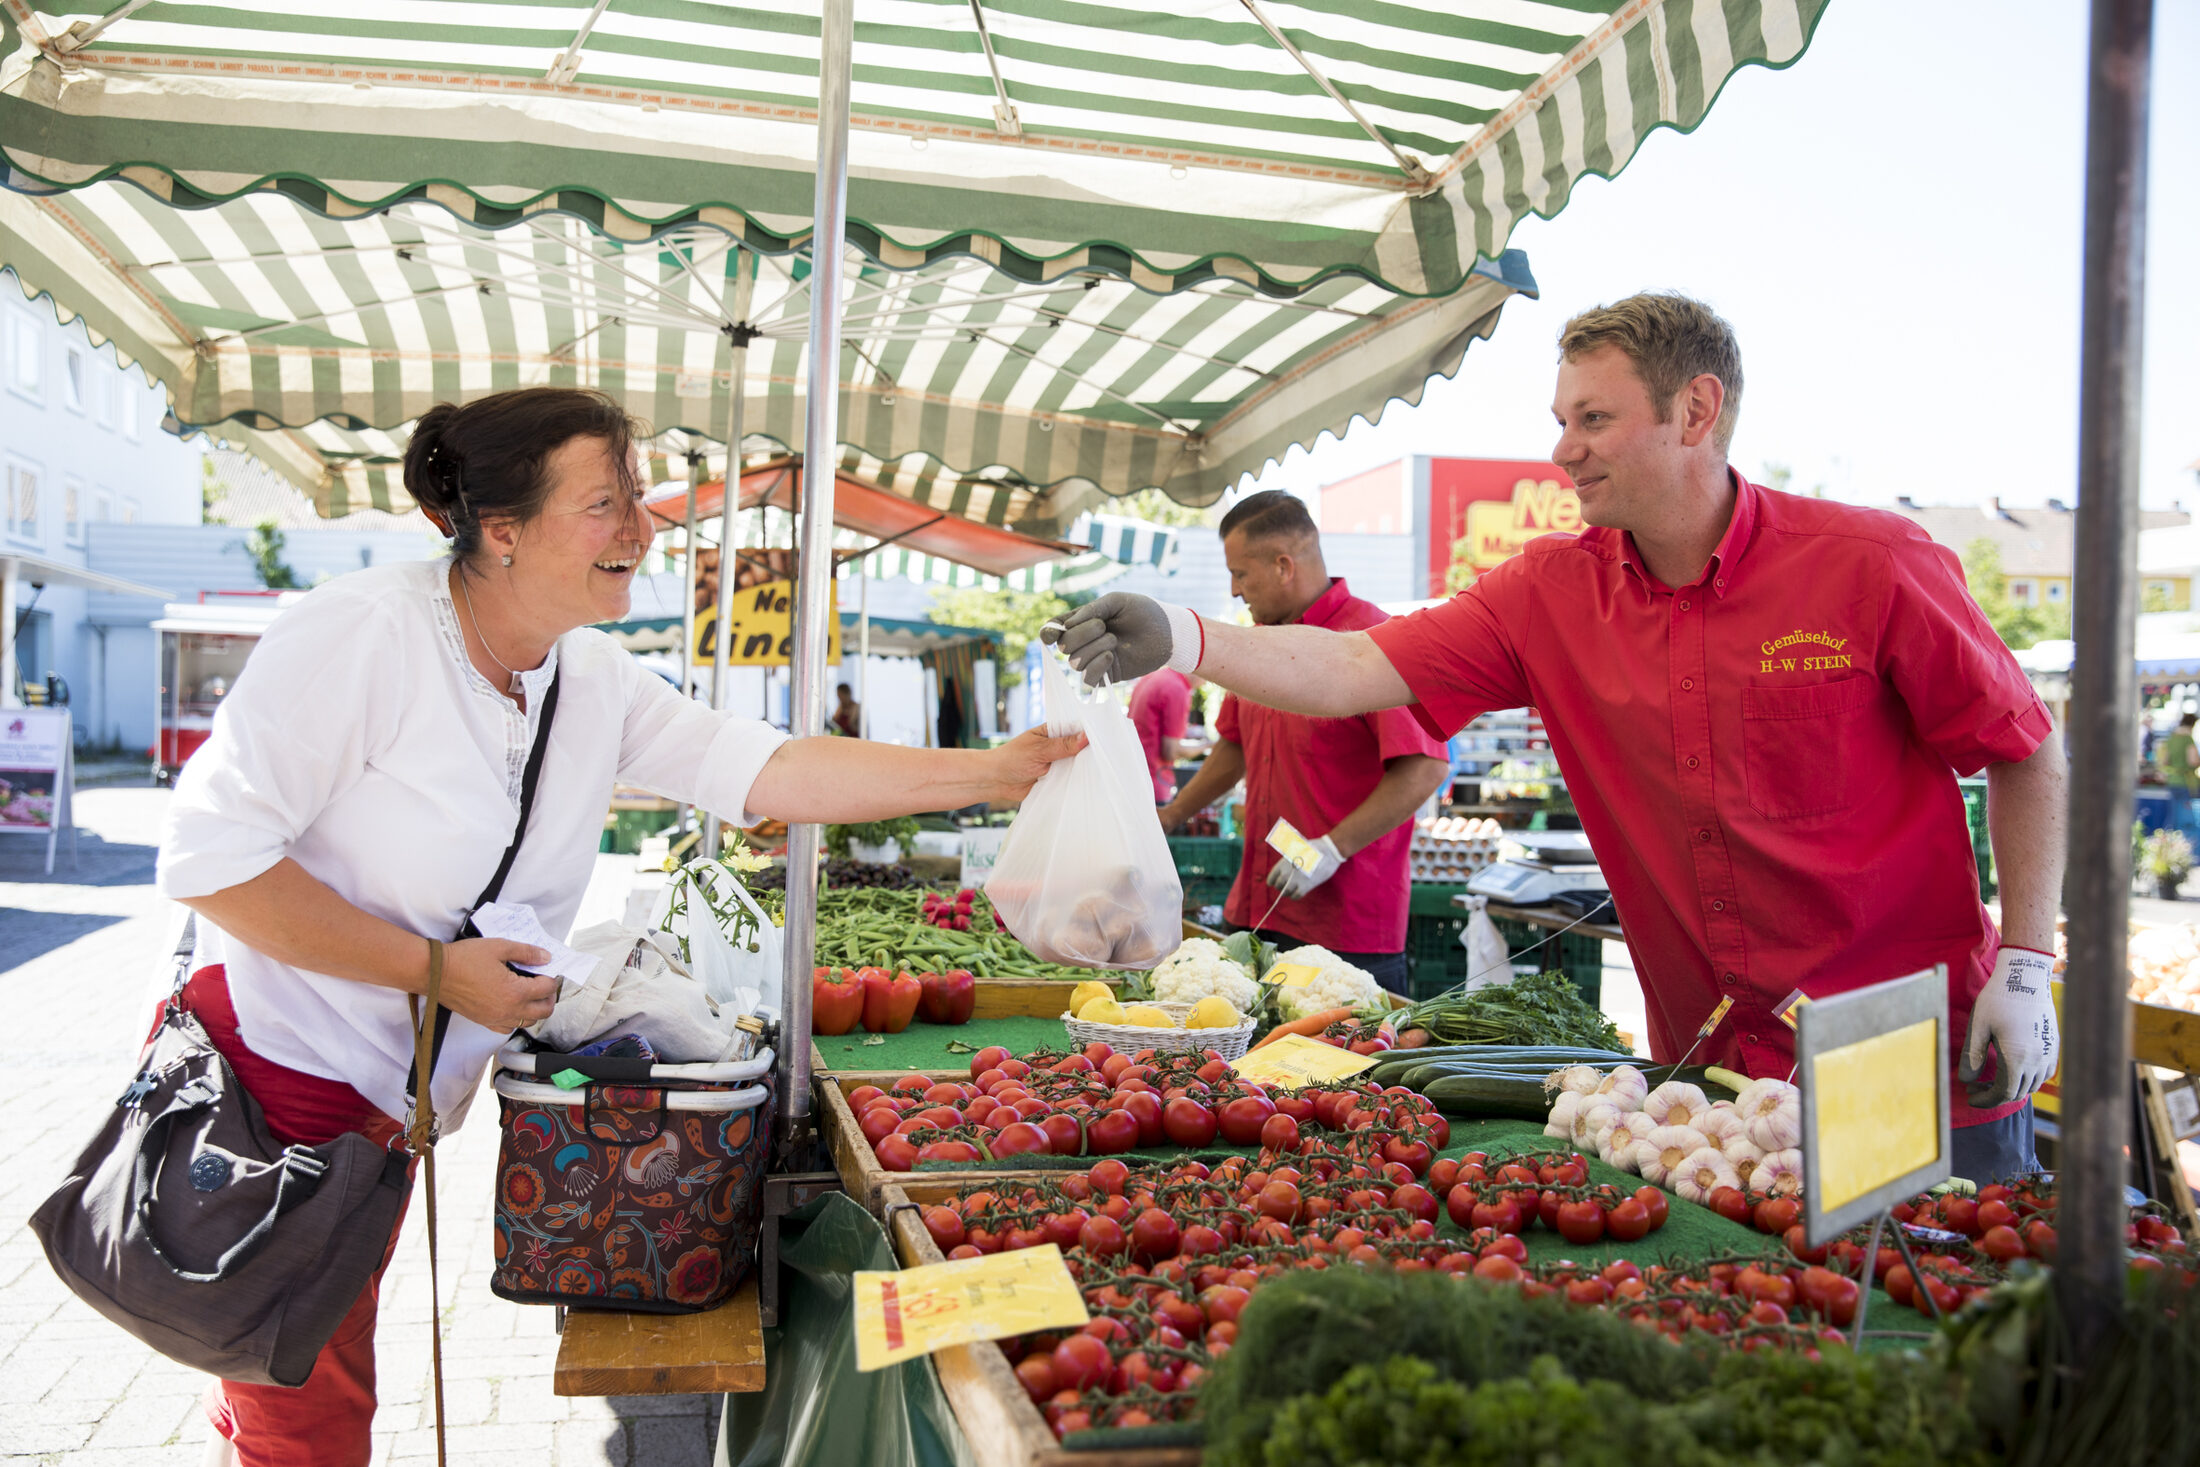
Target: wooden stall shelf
<point>998,1419</point>
<point>605,1352</point>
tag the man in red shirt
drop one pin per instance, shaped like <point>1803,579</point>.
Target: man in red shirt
<point>1349,785</point>
<point>1161,708</point>
<point>1761,704</point>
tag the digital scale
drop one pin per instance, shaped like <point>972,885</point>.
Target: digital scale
<point>1559,862</point>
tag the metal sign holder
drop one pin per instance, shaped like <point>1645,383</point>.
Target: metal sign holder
<point>1843,1022</point>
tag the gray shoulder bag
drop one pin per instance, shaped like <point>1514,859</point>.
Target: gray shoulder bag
<point>188,1224</point>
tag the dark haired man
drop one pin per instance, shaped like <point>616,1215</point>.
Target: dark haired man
<point>1760,703</point>
<point>1350,785</point>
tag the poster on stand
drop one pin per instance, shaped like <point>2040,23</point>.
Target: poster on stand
<point>36,773</point>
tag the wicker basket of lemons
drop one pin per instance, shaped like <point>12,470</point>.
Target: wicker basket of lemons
<point>1212,1023</point>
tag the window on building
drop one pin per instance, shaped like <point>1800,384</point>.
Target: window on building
<point>104,387</point>
<point>103,507</point>
<point>2054,592</point>
<point>22,490</point>
<point>130,400</point>
<point>2021,592</point>
<point>23,345</point>
<point>129,511</point>
<point>72,511</point>
<point>76,373</point>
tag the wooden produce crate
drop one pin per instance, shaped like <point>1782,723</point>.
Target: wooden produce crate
<point>998,1419</point>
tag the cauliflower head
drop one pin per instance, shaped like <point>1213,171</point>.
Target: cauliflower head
<point>1338,984</point>
<point>1200,967</point>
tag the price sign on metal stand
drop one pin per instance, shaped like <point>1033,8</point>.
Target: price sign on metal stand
<point>1873,1065</point>
<point>38,776</point>
<point>1296,1060</point>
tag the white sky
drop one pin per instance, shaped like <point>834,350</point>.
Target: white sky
<point>1893,226</point>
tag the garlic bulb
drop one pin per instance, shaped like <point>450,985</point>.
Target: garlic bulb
<point>1625,1087</point>
<point>1562,1115</point>
<point>1701,1173</point>
<point>1616,1142</point>
<point>1666,1147</point>
<point>1777,1123</point>
<point>1591,1118</point>
<point>1675,1103</point>
<point>1780,1173</point>
<point>1722,1123</point>
<point>1575,1080</point>
<point>1745,1156</point>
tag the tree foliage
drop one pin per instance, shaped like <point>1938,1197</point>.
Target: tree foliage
<point>1015,615</point>
<point>2017,624</point>
<point>265,545</point>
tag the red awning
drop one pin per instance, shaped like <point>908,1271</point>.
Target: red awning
<point>870,510</point>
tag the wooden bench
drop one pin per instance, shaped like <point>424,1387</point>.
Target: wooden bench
<point>605,1352</point>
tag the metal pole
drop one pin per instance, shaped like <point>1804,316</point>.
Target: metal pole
<point>813,599</point>
<point>687,603</point>
<point>2096,1052</point>
<point>729,501</point>
<point>863,646</point>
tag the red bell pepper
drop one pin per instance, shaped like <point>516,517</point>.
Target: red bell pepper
<point>889,1000</point>
<point>949,997</point>
<point>836,1001</point>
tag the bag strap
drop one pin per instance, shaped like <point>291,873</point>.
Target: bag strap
<point>528,779</point>
<point>422,1140</point>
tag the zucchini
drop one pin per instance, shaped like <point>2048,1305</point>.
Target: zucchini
<point>1489,1096</point>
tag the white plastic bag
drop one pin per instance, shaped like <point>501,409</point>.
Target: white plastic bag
<point>743,975</point>
<point>1084,875</point>
<point>638,984</point>
<point>1489,961</point>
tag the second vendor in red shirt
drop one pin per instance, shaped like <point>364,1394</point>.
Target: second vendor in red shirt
<point>1349,785</point>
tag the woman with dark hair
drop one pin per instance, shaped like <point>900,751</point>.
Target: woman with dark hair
<point>363,779</point>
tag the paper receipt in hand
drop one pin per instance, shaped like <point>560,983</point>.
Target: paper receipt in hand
<point>517,922</point>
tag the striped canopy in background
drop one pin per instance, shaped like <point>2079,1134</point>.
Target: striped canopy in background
<point>1089,243</point>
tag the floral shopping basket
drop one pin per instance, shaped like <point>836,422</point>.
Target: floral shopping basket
<point>643,1196</point>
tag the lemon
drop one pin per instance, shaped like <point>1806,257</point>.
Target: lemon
<point>1213,1012</point>
<point>1146,1016</point>
<point>1102,1011</point>
<point>1085,993</point>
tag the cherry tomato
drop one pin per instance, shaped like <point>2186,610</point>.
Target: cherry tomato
<point>1581,1221</point>
<point>1081,1362</point>
<point>1654,1204</point>
<point>1628,1221</point>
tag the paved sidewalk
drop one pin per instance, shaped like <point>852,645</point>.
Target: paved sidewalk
<point>79,955</point>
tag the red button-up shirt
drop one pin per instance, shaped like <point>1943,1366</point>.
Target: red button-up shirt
<point>1313,772</point>
<point>1161,707</point>
<point>1765,759</point>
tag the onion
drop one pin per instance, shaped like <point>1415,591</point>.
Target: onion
<point>1701,1173</point>
<point>1666,1147</point>
<point>1780,1173</point>
<point>1562,1115</point>
<point>1625,1087</point>
<point>1675,1103</point>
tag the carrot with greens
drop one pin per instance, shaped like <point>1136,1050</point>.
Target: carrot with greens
<point>1311,1025</point>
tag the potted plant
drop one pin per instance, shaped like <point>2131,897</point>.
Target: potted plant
<point>2166,857</point>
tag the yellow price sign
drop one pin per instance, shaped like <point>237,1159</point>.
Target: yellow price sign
<point>1291,975</point>
<point>915,1311</point>
<point>1284,839</point>
<point>1878,1115</point>
<point>1296,1060</point>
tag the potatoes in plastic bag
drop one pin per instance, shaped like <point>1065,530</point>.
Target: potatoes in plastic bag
<point>1084,875</point>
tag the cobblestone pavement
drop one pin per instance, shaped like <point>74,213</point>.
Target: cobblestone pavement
<point>79,963</point>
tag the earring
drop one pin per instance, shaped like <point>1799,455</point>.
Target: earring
<point>506,559</point>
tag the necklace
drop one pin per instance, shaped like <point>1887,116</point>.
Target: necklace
<point>516,687</point>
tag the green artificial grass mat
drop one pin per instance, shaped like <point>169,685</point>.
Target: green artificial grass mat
<point>923,1046</point>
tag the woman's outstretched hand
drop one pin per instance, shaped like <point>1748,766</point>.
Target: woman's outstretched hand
<point>1025,757</point>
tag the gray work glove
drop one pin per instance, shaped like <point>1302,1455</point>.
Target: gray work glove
<point>1121,637</point>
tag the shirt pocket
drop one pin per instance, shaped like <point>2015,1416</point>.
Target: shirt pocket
<point>1811,750</point>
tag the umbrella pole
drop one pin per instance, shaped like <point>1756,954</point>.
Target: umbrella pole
<point>687,604</point>
<point>863,646</point>
<point>729,505</point>
<point>813,599</point>
<point>2096,1053</point>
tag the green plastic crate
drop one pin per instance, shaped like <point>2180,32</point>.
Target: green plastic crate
<point>1208,867</point>
<point>1435,960</point>
<point>1982,846</point>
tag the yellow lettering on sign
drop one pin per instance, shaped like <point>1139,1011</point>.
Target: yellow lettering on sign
<point>1498,528</point>
<point>1878,1113</point>
<point>915,1311</point>
<point>1296,1060</point>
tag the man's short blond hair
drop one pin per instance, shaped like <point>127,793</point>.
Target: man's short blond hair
<point>1672,340</point>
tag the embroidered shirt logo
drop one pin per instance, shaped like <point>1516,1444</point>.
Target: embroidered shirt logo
<point>1833,657</point>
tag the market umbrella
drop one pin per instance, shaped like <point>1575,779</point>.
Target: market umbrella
<point>1273,145</point>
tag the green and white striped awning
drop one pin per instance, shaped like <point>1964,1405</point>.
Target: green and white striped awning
<point>263,313</point>
<point>1167,141</point>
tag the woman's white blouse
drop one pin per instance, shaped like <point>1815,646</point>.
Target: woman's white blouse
<point>361,743</point>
